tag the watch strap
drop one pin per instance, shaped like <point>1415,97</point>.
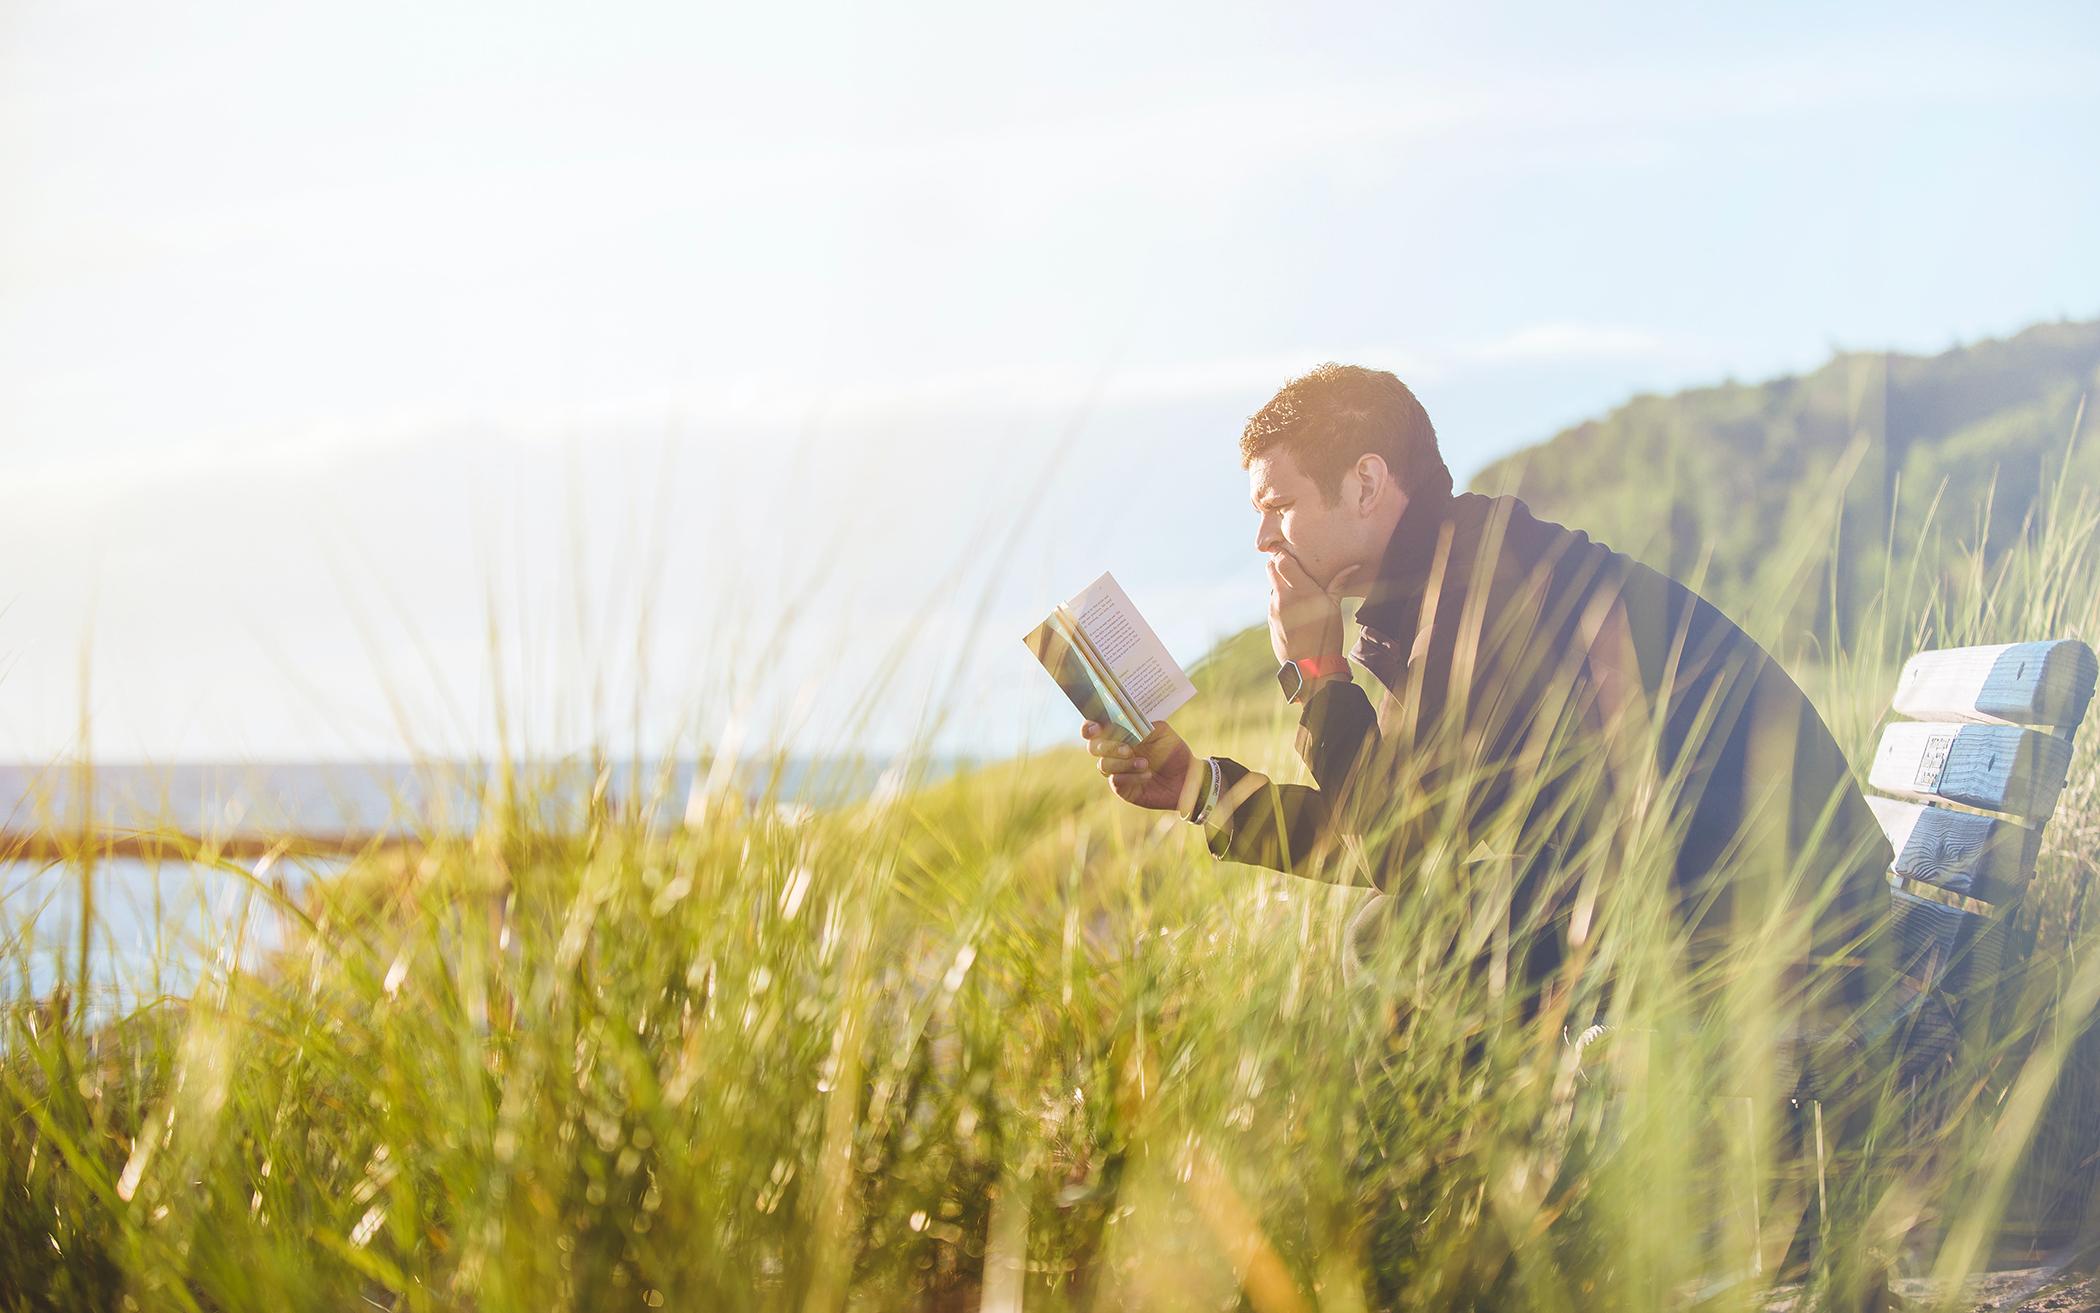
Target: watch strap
<point>1334,663</point>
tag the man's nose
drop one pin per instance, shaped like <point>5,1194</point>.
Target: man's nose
<point>1268,535</point>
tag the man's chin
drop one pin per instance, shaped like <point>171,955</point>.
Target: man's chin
<point>1352,586</point>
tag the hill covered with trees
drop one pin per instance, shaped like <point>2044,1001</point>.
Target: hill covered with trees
<point>1754,487</point>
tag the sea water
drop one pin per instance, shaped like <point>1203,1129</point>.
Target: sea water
<point>159,924</point>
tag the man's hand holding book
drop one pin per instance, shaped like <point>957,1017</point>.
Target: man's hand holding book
<point>1159,772</point>
<point>1122,679</point>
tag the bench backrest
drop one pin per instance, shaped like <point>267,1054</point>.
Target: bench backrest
<point>1972,775</point>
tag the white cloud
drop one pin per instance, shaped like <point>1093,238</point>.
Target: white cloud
<point>786,403</point>
<point>1579,341</point>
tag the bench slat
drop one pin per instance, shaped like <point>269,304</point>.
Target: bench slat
<point>1981,857</point>
<point>2000,768</point>
<point>2048,683</point>
<point>1958,956</point>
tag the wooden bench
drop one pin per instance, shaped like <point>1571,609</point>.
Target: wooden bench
<point>1969,774</point>
<point>1971,777</point>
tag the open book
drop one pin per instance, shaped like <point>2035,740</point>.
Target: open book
<point>1109,662</point>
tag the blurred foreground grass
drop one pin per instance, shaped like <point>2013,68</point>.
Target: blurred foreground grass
<point>997,1042</point>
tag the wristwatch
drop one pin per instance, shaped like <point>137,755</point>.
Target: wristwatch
<point>1297,676</point>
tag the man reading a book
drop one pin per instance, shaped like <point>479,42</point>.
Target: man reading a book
<point>1546,708</point>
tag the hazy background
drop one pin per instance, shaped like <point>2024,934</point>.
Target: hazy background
<point>326,335</point>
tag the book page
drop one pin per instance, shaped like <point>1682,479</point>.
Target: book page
<point>1148,673</point>
<point>1060,650</point>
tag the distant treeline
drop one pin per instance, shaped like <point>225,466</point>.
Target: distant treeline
<point>1742,485</point>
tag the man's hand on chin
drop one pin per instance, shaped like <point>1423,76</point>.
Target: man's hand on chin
<point>1158,773</point>
<point>1305,619</point>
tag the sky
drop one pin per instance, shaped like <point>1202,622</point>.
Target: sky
<point>383,378</point>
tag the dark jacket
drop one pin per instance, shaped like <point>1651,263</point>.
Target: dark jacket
<point>1544,696</point>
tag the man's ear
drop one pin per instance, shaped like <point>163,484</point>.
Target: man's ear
<point>1372,481</point>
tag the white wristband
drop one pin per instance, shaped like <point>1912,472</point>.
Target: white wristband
<point>1210,795</point>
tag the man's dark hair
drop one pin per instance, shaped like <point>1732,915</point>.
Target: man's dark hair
<point>1328,417</point>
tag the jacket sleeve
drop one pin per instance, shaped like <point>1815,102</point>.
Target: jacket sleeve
<point>1294,827</point>
<point>1336,733</point>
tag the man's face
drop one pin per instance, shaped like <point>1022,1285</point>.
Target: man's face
<point>1297,519</point>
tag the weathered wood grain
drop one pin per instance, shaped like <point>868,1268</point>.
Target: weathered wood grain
<point>2047,683</point>
<point>2002,768</point>
<point>1958,956</point>
<point>1981,857</point>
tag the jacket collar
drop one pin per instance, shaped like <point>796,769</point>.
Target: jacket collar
<point>1390,604</point>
